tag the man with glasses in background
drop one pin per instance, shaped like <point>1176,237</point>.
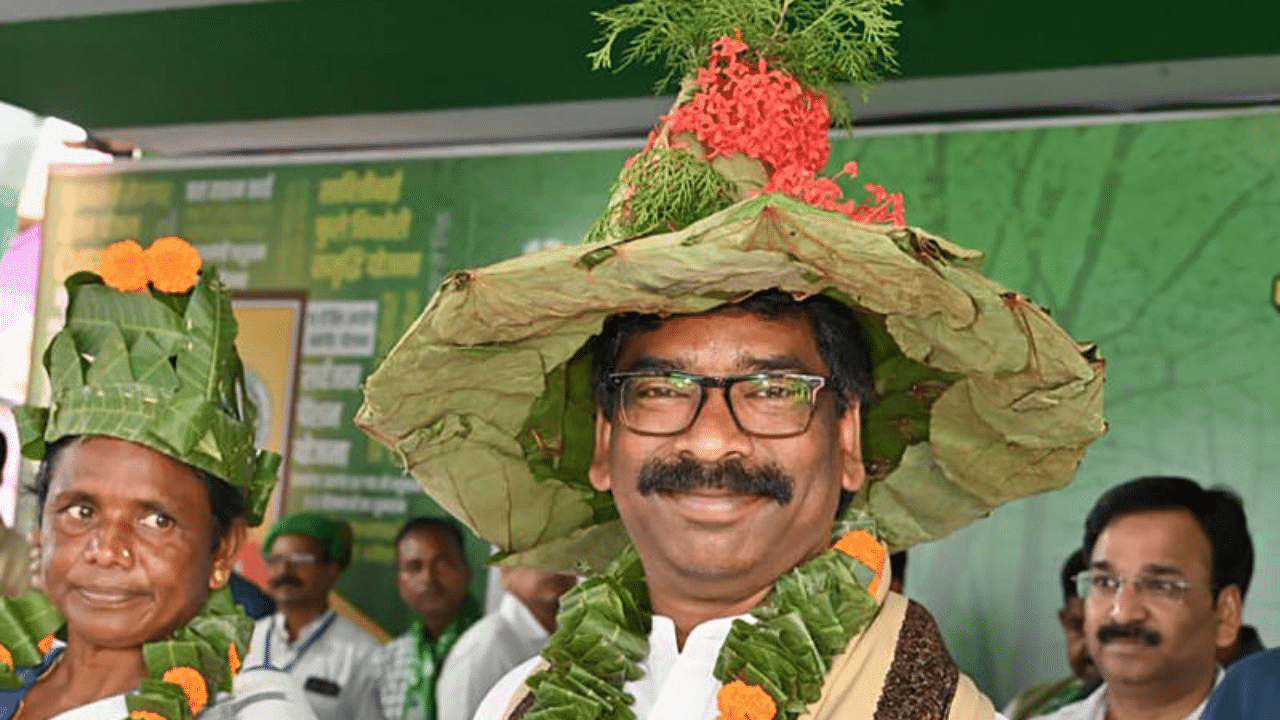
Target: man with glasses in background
<point>1169,564</point>
<point>323,651</point>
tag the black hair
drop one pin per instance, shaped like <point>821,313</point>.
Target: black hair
<point>1074,565</point>
<point>898,566</point>
<point>225,501</point>
<point>836,332</point>
<point>1219,511</point>
<point>431,524</point>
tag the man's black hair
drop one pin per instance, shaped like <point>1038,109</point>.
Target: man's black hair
<point>442,524</point>
<point>1074,565</point>
<point>1219,511</point>
<point>898,567</point>
<point>225,502</point>
<point>836,332</point>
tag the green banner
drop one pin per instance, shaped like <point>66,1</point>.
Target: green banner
<point>1154,237</point>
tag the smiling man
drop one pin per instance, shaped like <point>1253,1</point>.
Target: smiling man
<point>729,404</point>
<point>1169,564</point>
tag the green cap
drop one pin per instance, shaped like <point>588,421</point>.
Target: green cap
<point>333,534</point>
<point>159,369</point>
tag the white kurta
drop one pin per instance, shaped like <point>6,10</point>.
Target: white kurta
<point>327,660</point>
<point>1094,707</point>
<point>677,683</point>
<point>488,649</point>
<point>260,694</point>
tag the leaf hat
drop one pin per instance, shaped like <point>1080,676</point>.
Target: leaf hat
<point>982,398</point>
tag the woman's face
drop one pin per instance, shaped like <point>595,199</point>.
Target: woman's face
<point>127,548</point>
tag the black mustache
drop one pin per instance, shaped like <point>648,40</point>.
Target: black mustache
<point>286,580</point>
<point>687,474</point>
<point>1128,631</point>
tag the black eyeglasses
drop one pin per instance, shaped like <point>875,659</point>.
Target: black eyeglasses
<point>766,404</point>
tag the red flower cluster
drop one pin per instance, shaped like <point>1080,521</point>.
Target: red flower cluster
<point>748,108</point>
<point>824,192</point>
<point>766,113</point>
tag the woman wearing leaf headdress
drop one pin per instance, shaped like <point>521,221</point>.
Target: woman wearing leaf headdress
<point>148,480</point>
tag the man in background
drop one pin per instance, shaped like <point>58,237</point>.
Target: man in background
<point>1251,691</point>
<point>432,575</point>
<point>327,654</point>
<point>1169,565</point>
<point>1084,679</point>
<point>498,642</point>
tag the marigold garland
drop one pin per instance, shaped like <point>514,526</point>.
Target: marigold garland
<point>233,659</point>
<point>124,266</point>
<point>45,643</point>
<point>146,715</point>
<point>6,657</point>
<point>737,700</point>
<point>192,684</point>
<point>866,549</point>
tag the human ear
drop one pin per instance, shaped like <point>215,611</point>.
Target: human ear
<point>598,473</point>
<point>224,557</point>
<point>849,431</point>
<point>1228,611</point>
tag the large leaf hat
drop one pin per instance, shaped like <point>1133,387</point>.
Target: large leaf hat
<point>982,398</point>
<point>154,363</point>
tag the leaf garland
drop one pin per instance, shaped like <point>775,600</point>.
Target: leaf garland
<point>183,671</point>
<point>805,621</point>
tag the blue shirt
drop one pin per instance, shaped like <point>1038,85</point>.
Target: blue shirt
<point>10,699</point>
<point>1250,691</point>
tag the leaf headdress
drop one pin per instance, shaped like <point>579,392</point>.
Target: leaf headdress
<point>147,354</point>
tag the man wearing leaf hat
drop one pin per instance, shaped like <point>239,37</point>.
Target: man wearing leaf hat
<point>734,399</point>
<point>324,652</point>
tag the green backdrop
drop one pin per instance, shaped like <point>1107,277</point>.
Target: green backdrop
<point>1155,237</point>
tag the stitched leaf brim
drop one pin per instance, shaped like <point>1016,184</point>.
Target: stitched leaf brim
<point>486,399</point>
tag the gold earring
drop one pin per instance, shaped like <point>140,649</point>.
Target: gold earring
<point>217,577</point>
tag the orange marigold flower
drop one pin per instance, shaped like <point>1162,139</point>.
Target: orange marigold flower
<point>172,264</point>
<point>146,715</point>
<point>233,659</point>
<point>740,701</point>
<point>45,643</point>
<point>192,683</point>
<point>866,549</point>
<point>124,266</point>
<point>6,657</point>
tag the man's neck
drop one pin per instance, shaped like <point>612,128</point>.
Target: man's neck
<point>688,611</point>
<point>544,613</point>
<point>297,615</point>
<point>1172,701</point>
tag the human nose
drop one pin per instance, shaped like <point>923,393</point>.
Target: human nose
<point>714,432</point>
<point>1127,604</point>
<point>110,544</point>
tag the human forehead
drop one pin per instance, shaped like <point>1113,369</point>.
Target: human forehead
<point>1154,541</point>
<point>112,468</point>
<point>428,543</point>
<point>724,341</point>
